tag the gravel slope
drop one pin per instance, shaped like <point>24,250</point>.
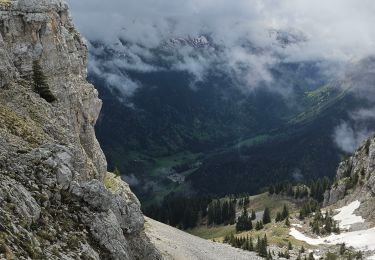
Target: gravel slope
<point>178,245</point>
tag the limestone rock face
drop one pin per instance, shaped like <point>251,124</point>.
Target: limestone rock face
<point>355,180</point>
<point>56,199</point>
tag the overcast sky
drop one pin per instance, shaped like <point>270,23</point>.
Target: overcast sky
<point>336,29</point>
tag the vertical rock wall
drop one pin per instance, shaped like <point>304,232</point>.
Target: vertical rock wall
<point>56,199</point>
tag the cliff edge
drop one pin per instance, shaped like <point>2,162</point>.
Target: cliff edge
<point>355,181</point>
<point>56,199</point>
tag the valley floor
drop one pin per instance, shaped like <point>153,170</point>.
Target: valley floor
<point>178,245</point>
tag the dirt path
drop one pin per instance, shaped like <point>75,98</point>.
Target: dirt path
<point>178,245</point>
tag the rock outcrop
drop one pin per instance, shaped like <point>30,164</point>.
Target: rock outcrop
<point>355,180</point>
<point>56,199</point>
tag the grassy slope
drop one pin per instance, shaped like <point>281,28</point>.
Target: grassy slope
<point>277,233</point>
<point>257,203</point>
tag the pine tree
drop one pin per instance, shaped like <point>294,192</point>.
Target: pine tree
<point>359,255</point>
<point>269,255</point>
<point>251,244</point>
<point>259,225</point>
<point>278,217</point>
<point>271,190</point>
<point>253,215</point>
<point>285,212</point>
<point>342,249</point>
<point>262,247</point>
<point>210,214</point>
<point>286,254</point>
<point>266,216</point>
<point>258,245</point>
<point>40,83</point>
<point>116,172</point>
<point>290,246</point>
<point>244,222</point>
<point>246,201</point>
<point>297,193</point>
<point>225,212</point>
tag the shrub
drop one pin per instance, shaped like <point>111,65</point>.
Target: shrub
<point>40,83</point>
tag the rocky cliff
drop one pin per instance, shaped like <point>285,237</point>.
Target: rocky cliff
<point>56,199</point>
<point>355,180</point>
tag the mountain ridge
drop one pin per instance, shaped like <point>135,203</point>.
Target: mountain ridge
<point>57,199</point>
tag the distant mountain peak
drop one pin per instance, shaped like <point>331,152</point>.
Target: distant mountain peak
<point>287,37</point>
<point>196,42</point>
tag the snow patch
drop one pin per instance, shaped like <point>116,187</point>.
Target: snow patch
<point>297,225</point>
<point>346,216</point>
<point>361,240</point>
<point>299,236</point>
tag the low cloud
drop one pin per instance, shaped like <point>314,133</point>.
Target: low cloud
<point>348,138</point>
<point>359,79</point>
<point>132,180</point>
<point>113,77</point>
<point>338,29</point>
<point>251,35</point>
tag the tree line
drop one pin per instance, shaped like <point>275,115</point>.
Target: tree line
<point>314,190</point>
<point>222,212</point>
<point>178,211</point>
<point>247,243</point>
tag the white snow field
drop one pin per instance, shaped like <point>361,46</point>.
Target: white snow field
<point>346,216</point>
<point>361,240</point>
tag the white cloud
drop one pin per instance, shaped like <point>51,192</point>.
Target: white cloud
<point>337,32</point>
<point>349,138</point>
<point>336,29</point>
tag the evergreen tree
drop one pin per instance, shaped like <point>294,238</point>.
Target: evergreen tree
<point>117,172</point>
<point>265,239</point>
<point>271,190</point>
<point>40,83</point>
<point>285,212</point>
<point>342,249</point>
<point>278,217</point>
<point>269,255</point>
<point>266,216</point>
<point>290,246</point>
<point>262,247</point>
<point>225,212</point>
<point>359,255</point>
<point>259,225</point>
<point>246,201</point>
<point>244,222</point>
<point>253,215</point>
<point>251,244</point>
<point>210,215</point>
